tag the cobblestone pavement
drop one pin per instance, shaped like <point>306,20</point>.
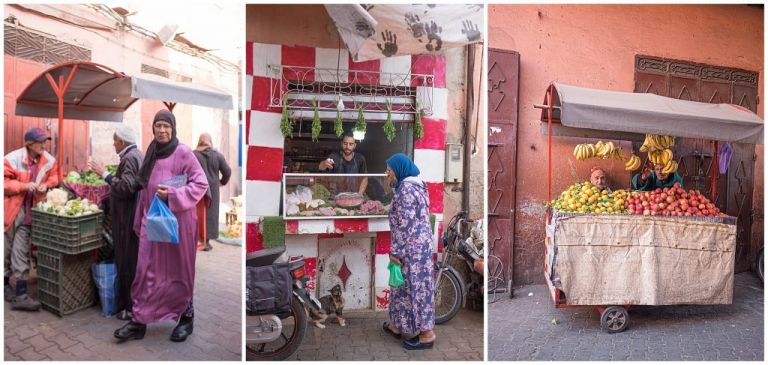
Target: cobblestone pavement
<point>521,329</point>
<point>87,335</point>
<point>362,339</point>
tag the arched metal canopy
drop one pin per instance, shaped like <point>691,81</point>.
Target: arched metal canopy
<point>90,91</point>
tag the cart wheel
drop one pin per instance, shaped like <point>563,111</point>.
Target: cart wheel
<point>614,319</point>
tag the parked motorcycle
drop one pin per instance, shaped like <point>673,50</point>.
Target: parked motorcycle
<point>276,296</point>
<point>462,240</point>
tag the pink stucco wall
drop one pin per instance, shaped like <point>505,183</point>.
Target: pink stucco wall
<point>595,46</point>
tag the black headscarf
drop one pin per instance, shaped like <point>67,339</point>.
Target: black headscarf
<point>157,151</point>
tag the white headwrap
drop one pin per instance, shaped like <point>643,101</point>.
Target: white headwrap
<point>126,133</point>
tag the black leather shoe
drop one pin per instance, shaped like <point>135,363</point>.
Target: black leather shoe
<point>416,344</point>
<point>183,329</point>
<point>131,331</point>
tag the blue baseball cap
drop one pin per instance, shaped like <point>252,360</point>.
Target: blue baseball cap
<point>35,135</point>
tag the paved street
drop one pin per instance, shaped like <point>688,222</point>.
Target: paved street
<point>521,329</point>
<point>86,335</point>
<point>363,340</point>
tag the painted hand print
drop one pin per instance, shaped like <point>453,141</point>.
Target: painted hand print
<point>471,30</point>
<point>390,43</point>
<point>433,35</point>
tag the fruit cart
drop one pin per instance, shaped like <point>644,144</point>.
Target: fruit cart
<point>88,91</point>
<point>675,248</point>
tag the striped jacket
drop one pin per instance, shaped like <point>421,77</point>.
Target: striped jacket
<point>17,176</point>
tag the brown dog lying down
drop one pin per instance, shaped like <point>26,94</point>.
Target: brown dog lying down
<point>331,304</point>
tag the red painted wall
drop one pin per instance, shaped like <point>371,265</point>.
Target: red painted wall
<point>595,46</point>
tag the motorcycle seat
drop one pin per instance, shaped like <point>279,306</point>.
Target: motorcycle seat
<point>264,257</point>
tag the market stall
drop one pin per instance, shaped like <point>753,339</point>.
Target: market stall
<point>69,230</point>
<point>660,247</point>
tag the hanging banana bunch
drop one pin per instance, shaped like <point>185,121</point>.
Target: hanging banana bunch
<point>633,163</point>
<point>654,142</point>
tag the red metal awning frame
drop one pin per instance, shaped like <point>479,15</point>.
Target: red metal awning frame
<point>60,88</point>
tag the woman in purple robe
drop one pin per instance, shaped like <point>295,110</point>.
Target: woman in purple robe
<point>165,272</point>
<point>411,305</point>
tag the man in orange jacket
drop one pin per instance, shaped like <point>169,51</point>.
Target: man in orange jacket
<point>29,172</point>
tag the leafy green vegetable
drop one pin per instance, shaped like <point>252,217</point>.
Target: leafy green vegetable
<point>389,126</point>
<point>418,128</point>
<point>360,125</point>
<point>316,126</point>
<point>286,125</point>
<point>337,125</point>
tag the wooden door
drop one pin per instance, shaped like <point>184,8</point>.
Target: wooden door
<point>503,86</point>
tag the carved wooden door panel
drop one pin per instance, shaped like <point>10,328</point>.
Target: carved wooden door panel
<point>503,81</point>
<point>710,84</point>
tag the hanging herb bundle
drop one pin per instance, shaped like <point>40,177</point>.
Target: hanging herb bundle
<point>286,125</point>
<point>316,125</point>
<point>418,127</point>
<point>360,125</point>
<point>337,125</point>
<point>389,126</point>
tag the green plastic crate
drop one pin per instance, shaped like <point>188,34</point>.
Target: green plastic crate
<point>64,281</point>
<point>71,235</point>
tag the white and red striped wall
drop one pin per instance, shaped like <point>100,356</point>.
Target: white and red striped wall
<point>264,159</point>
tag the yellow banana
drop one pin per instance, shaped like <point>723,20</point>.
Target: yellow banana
<point>644,148</point>
<point>590,150</point>
<point>667,156</point>
<point>576,152</point>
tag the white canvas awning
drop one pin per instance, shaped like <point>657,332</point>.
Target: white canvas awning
<point>96,92</point>
<point>641,113</point>
<point>386,30</point>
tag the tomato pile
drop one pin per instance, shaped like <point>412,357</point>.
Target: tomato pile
<point>673,201</point>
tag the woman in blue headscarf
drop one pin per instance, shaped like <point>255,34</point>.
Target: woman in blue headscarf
<point>411,305</point>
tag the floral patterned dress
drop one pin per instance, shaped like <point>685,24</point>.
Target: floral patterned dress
<point>412,305</point>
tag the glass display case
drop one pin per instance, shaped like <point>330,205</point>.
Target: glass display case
<point>328,196</point>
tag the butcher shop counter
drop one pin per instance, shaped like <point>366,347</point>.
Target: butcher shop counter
<point>328,196</point>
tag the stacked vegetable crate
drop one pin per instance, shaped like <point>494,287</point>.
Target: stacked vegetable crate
<point>66,252</point>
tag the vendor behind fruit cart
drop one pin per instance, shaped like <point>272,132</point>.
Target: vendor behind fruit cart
<point>648,180</point>
<point>29,172</point>
<point>347,161</point>
<point>599,179</point>
<point>124,187</point>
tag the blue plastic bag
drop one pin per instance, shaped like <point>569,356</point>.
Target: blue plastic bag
<point>105,277</point>
<point>162,225</point>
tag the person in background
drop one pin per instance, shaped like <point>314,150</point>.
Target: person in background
<point>165,272</point>
<point>124,186</point>
<point>29,172</point>
<point>648,180</point>
<point>218,172</point>
<point>411,305</point>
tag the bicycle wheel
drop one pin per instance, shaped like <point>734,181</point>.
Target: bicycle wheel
<point>448,296</point>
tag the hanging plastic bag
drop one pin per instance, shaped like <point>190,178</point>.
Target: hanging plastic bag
<point>105,278</point>
<point>395,275</point>
<point>162,225</point>
<point>724,157</point>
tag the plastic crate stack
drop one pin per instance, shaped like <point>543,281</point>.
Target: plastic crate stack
<point>65,254</point>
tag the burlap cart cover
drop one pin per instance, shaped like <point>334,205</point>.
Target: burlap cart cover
<point>644,260</point>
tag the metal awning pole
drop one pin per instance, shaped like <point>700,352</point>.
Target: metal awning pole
<point>715,172</point>
<point>60,89</point>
